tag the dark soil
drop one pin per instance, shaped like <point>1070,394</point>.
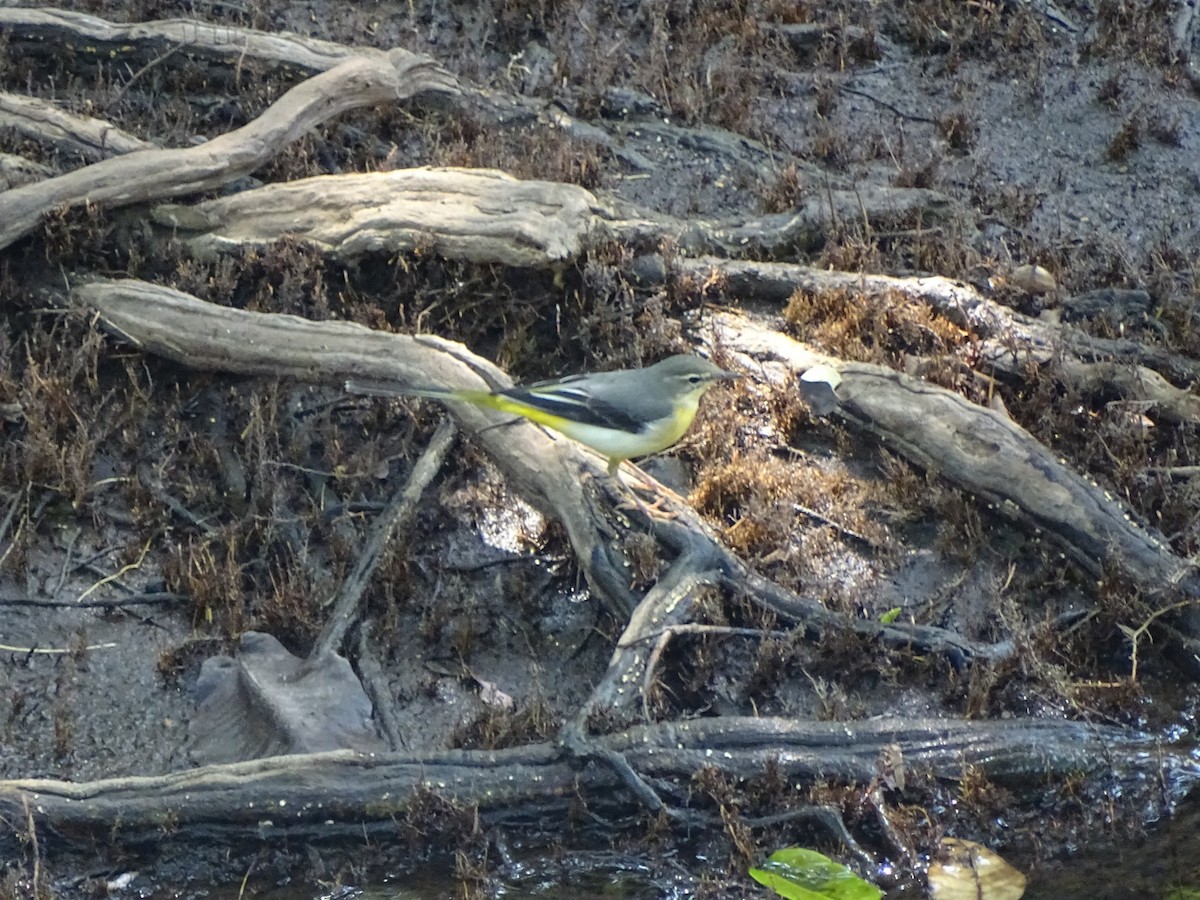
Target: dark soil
<point>1069,139</point>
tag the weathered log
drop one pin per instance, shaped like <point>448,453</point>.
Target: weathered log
<point>488,216</point>
<point>39,26</point>
<point>1008,340</point>
<point>476,214</point>
<point>305,793</point>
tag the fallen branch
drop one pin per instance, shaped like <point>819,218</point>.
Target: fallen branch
<point>54,27</point>
<point>157,174</point>
<point>42,121</point>
<point>487,216</point>
<point>399,515</point>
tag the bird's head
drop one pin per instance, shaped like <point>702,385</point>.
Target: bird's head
<point>688,377</point>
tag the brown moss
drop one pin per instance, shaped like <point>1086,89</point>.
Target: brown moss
<point>642,553</point>
<point>959,130</point>
<point>527,153</point>
<point>980,795</point>
<point>1110,92</point>
<point>765,502</point>
<point>834,147</point>
<point>497,728</point>
<point>69,409</point>
<point>430,821</point>
<point>729,801</point>
<point>1132,31</point>
<point>292,607</point>
<point>786,192</point>
<point>1127,139</point>
<point>962,533</point>
<point>774,660</point>
<point>853,248</point>
<point>925,176</point>
<point>984,29</point>
<point>1164,127</point>
<point>210,573</point>
<point>881,330</point>
<point>76,238</point>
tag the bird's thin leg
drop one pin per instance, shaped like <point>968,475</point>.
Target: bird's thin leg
<point>650,485</point>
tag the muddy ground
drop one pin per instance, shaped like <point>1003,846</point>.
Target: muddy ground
<point>150,514</point>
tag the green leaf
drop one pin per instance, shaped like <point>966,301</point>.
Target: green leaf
<point>799,874</point>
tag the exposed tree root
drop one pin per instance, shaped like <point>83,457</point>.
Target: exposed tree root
<point>205,336</point>
<point>198,334</point>
<point>302,794</point>
<point>32,28</point>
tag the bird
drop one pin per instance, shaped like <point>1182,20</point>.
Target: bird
<point>621,414</point>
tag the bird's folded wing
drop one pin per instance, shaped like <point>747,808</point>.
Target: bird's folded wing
<point>577,405</point>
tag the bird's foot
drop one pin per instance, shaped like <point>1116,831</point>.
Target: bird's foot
<point>652,511</point>
<point>661,493</point>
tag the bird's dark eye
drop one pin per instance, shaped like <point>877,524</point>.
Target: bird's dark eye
<point>695,379</point>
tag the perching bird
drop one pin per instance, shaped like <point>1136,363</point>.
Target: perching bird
<point>621,415</point>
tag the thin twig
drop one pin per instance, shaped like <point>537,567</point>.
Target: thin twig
<point>8,520</point>
<point>376,686</point>
<point>31,828</point>
<point>400,513</point>
<point>899,113</point>
<point>130,567</point>
<point>66,566</point>
<point>53,651</point>
<point>828,816</point>
<point>157,61</point>
<point>147,598</point>
<point>843,530</point>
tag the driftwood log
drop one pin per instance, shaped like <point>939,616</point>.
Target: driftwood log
<point>344,792</point>
<point>473,214</point>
